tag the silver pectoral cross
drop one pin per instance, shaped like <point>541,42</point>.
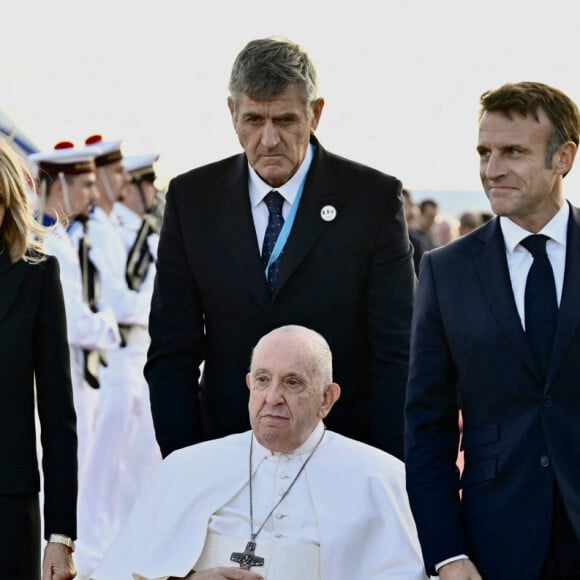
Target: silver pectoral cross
<point>247,558</point>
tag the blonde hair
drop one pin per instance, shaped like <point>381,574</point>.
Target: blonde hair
<point>20,232</point>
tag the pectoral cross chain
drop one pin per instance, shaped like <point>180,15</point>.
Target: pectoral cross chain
<point>247,558</point>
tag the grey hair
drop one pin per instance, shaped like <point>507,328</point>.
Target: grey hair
<point>267,67</point>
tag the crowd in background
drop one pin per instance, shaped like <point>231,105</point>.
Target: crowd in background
<point>428,228</point>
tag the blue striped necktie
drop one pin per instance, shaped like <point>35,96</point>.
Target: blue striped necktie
<point>274,201</point>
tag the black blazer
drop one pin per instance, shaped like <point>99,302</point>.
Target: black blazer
<point>33,344</point>
<point>351,279</point>
<point>521,435</point>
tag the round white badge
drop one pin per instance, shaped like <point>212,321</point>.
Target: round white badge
<point>328,213</point>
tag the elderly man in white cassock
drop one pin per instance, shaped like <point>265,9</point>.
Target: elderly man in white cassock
<point>287,500</point>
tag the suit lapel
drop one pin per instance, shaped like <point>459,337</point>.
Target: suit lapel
<point>10,279</point>
<point>320,189</point>
<point>232,216</point>
<point>569,313</point>
<point>494,278</point>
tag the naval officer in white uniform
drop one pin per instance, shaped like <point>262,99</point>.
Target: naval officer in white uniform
<point>106,464</point>
<point>287,500</point>
<point>67,183</point>
<point>139,222</point>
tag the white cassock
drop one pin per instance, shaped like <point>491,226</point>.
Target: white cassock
<point>347,517</point>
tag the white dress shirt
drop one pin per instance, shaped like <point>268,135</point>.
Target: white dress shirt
<point>520,260</point>
<point>259,189</point>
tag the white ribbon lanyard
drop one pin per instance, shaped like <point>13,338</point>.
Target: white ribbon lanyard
<point>286,228</point>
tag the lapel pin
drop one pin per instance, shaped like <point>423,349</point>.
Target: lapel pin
<point>328,213</point>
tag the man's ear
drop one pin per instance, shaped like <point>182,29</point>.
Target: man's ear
<point>564,158</point>
<point>249,381</point>
<point>55,190</point>
<point>330,396</point>
<point>317,107</point>
<point>232,109</point>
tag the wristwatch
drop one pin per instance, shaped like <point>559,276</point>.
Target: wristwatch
<point>60,539</point>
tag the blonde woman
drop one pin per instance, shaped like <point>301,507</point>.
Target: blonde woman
<point>34,371</point>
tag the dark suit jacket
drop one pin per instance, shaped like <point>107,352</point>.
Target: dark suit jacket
<point>34,344</point>
<point>521,435</point>
<point>418,249</point>
<point>351,279</point>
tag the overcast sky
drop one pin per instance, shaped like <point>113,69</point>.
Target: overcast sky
<point>401,79</point>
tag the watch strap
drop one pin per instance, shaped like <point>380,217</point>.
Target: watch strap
<point>61,539</point>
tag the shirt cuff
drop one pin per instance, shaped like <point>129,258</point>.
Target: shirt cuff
<point>449,560</point>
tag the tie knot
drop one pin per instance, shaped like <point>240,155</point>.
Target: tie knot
<point>535,244</point>
<point>274,201</point>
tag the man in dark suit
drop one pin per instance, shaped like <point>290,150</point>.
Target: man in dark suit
<point>476,342</point>
<point>339,262</point>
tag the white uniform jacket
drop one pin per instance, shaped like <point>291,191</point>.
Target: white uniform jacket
<point>109,255</point>
<point>85,328</point>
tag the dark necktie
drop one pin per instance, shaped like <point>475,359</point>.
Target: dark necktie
<point>540,301</point>
<point>274,201</point>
